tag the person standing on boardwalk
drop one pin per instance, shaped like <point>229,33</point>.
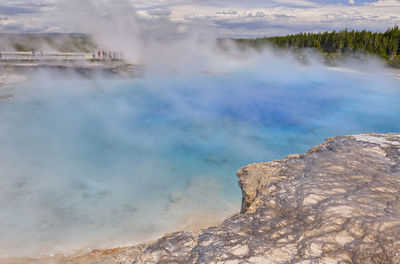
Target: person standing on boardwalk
<point>94,54</point>
<point>98,54</point>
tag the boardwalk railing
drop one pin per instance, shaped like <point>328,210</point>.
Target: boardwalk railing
<point>41,57</point>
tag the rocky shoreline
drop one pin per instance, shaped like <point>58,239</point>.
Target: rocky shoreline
<point>338,203</point>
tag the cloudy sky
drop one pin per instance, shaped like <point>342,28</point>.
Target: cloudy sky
<point>232,18</point>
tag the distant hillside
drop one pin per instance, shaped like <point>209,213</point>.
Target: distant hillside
<point>46,41</point>
<point>337,44</point>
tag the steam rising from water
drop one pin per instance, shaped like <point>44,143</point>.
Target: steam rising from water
<point>103,162</point>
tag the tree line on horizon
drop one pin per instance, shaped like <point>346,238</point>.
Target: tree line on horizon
<point>338,43</point>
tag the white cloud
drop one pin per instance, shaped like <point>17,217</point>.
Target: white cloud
<point>289,19</point>
<point>233,18</point>
<point>227,12</point>
<point>159,12</point>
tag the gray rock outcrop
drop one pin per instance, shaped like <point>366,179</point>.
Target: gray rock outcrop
<point>338,203</point>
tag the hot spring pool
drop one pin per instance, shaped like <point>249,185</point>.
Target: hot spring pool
<point>105,162</point>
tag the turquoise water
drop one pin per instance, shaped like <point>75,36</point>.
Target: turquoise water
<point>104,162</point>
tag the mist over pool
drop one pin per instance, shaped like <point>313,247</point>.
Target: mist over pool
<point>100,162</point>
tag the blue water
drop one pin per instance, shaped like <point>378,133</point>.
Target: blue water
<point>103,162</point>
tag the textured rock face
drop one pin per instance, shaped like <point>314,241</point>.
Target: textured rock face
<point>338,203</point>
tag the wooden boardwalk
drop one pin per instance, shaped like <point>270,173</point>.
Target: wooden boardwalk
<point>83,63</point>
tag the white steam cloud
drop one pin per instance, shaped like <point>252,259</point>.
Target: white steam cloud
<point>102,162</point>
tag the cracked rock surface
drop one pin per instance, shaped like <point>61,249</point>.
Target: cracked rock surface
<point>338,203</point>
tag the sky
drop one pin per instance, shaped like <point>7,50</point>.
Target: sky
<point>227,18</point>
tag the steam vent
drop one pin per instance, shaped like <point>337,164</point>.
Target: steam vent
<point>338,203</point>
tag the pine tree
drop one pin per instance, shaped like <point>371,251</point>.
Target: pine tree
<point>350,45</point>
